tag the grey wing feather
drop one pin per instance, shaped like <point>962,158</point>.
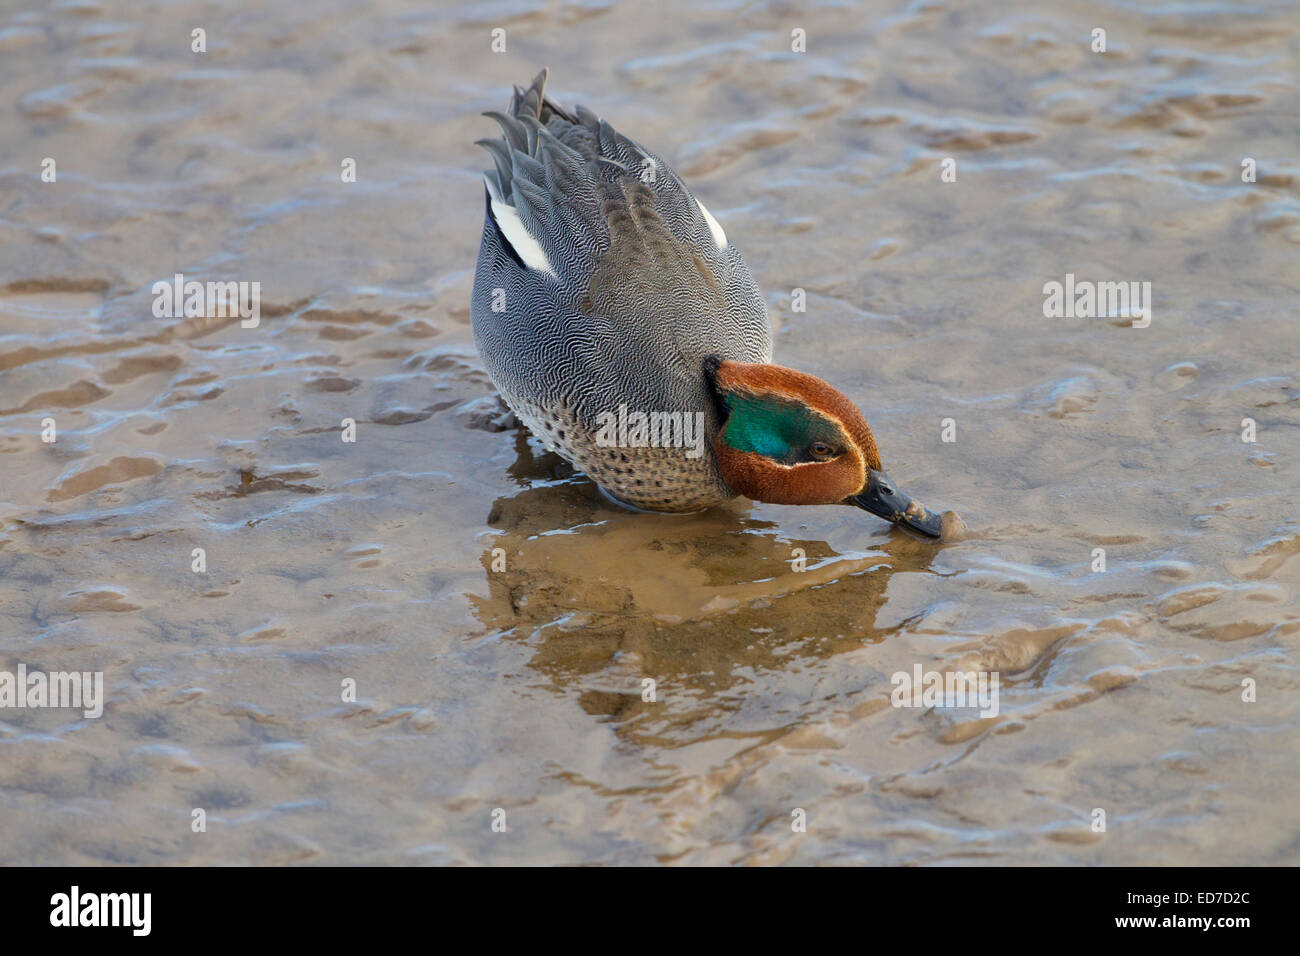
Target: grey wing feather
<point>638,277</point>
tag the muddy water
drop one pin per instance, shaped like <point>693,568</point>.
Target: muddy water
<point>522,689</point>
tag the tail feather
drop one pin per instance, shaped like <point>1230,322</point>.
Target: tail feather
<point>535,103</point>
<point>501,160</point>
<point>530,148</point>
<point>568,184</point>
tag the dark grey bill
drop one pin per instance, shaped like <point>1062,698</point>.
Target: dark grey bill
<point>882,498</point>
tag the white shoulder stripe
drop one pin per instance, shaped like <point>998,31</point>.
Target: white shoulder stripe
<point>719,236</point>
<point>526,247</point>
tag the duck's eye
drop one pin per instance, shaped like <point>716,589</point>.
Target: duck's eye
<point>819,449</point>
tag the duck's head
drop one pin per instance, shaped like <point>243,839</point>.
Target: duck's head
<point>789,438</point>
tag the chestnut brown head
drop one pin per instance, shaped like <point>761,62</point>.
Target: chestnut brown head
<point>789,438</point>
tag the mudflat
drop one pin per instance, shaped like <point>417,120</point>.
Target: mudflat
<point>357,651</point>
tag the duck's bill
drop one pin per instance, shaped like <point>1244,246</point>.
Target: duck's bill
<point>882,498</point>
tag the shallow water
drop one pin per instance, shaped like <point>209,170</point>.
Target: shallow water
<point>521,689</point>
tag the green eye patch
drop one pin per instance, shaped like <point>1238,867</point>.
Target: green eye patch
<point>776,428</point>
